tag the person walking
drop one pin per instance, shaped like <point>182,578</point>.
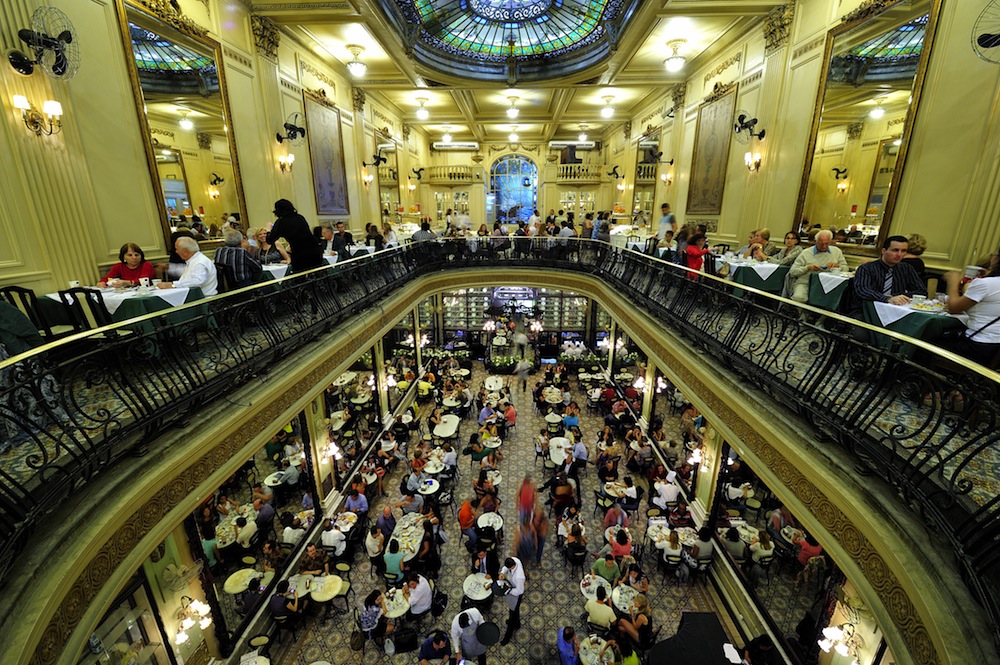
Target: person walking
<point>513,573</point>
<point>464,636</point>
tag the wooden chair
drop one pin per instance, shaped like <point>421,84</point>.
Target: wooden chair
<point>86,308</point>
<point>25,300</point>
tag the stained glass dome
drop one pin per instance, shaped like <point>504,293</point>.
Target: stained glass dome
<point>513,39</point>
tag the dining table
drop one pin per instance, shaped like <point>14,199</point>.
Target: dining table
<point>477,586</point>
<point>590,650</point>
<point>345,521</point>
<point>409,532</point>
<point>913,320</point>
<point>612,531</point>
<point>493,442</point>
<point>493,520</point>
<point>396,603</point>
<point>429,487</point>
<point>553,418</point>
<point>494,477</point>
<point>448,426</point>
<point>761,275</point>
<point>274,480</point>
<point>225,531</point>
<point>658,529</point>
<point>125,304</point>
<point>559,449</point>
<point>325,588</point>
<point>493,383</point>
<point>239,580</point>
<point>344,379</point>
<point>623,598</point>
<point>827,288</point>
<point>591,583</point>
<point>615,488</point>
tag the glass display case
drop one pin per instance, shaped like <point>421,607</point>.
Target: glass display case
<point>578,202</point>
<point>465,310</point>
<point>457,201</point>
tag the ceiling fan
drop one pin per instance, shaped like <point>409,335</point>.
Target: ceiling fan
<point>986,33</point>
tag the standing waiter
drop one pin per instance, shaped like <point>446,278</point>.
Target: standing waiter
<point>294,228</point>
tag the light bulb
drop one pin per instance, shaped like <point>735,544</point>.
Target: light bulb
<point>582,137</point>
<point>842,649</point>
<point>876,113</point>
<point>513,137</point>
<point>674,63</point>
<point>607,112</point>
<point>21,103</point>
<point>185,123</point>
<point>825,645</point>
<point>423,114</point>
<point>181,638</point>
<point>52,108</point>
<point>205,623</point>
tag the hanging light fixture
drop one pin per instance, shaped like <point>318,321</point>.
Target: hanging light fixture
<point>583,132</point>
<point>356,68</point>
<point>608,109</point>
<point>513,111</point>
<point>676,62</point>
<point>878,112</point>
<point>185,121</point>
<point>422,113</point>
<point>513,137</point>
<point>446,137</point>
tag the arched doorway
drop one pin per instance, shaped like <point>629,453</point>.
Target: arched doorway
<point>513,188</point>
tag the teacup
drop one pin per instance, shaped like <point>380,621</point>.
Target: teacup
<point>144,282</point>
<point>835,271</point>
<point>74,283</point>
<point>919,299</point>
<point>156,281</point>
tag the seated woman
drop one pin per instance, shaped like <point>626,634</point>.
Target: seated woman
<point>620,545</point>
<point>786,255</point>
<point>492,460</point>
<point>489,503</point>
<point>573,538</point>
<point>476,448</point>
<point>482,484</point>
<point>670,546</point>
<point>734,545</point>
<point>808,548</point>
<point>265,252</point>
<point>131,267</point>
<point>372,618</point>
<point>434,420</point>
<point>638,626</point>
<point>633,576</point>
<point>701,552</point>
<point>981,302</point>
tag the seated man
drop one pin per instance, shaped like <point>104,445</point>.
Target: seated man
<point>245,531</point>
<point>282,603</point>
<point>822,256</point>
<point>760,246</point>
<point>315,562</point>
<point>243,268</point>
<point>888,279</point>
<point>599,610</point>
<point>418,591</point>
<point>199,270</point>
<point>333,537</point>
<point>356,503</point>
<point>607,568</point>
<point>435,650</point>
<point>412,502</point>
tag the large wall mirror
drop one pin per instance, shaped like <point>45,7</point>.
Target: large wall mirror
<point>179,86</point>
<point>867,102</point>
<point>388,176</point>
<point>647,157</point>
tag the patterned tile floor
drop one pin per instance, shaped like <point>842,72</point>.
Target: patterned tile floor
<point>552,599</point>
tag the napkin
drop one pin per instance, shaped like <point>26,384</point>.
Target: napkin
<point>829,281</point>
<point>889,314</point>
<point>765,270</point>
<point>174,297</point>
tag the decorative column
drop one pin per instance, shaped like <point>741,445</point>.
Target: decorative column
<point>612,339</point>
<point>649,391</point>
<point>368,210</point>
<point>266,38</point>
<point>381,387</point>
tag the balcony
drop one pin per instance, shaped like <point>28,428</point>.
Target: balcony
<point>645,173</point>
<point>581,174</point>
<point>453,175</point>
<point>70,412</point>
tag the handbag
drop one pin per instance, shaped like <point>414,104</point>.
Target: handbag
<point>357,640</point>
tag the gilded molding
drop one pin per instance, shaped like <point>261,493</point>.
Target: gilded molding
<point>719,91</point>
<point>204,140</point>
<point>265,36</point>
<point>777,27</point>
<point>723,67</point>
<point>166,11</point>
<point>753,78</point>
<point>808,46</point>
<point>627,129</point>
<point>237,57</point>
<point>358,96</point>
<point>406,132</point>
<point>161,132</point>
<point>854,130</point>
<point>867,9</point>
<point>307,67</point>
<point>677,94</point>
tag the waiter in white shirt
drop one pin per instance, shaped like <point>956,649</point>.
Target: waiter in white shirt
<point>513,573</point>
<point>199,270</point>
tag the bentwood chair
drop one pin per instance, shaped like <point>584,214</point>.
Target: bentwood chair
<point>25,300</point>
<point>86,309</point>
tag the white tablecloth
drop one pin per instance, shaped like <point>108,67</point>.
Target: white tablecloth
<point>278,270</point>
<point>114,298</point>
<point>828,281</point>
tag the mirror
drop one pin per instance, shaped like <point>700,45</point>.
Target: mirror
<point>866,106</point>
<point>179,87</point>
<point>388,177</point>
<point>647,157</point>
<point>400,360</point>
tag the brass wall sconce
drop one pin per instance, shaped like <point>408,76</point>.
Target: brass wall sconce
<point>367,179</point>
<point>213,193</point>
<point>48,121</point>
<point>752,161</point>
<point>842,187</point>
<point>286,162</point>
<point>667,178</point>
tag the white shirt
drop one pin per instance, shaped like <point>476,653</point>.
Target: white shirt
<point>666,493</point>
<point>199,271</point>
<point>335,539</point>
<point>450,459</point>
<point>420,596</point>
<point>373,545</point>
<point>246,533</point>
<point>290,476</point>
<point>986,292</point>
<point>515,576</point>
<point>291,535</point>
<point>475,618</point>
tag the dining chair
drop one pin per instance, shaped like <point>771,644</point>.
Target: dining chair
<point>86,309</point>
<point>25,300</point>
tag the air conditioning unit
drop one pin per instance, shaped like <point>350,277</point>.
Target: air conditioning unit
<point>579,145</point>
<point>456,145</point>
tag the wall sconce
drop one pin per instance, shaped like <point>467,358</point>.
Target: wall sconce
<point>842,187</point>
<point>213,193</point>
<point>843,639</point>
<point>621,186</point>
<point>286,162</point>
<point>48,121</point>
<point>410,185</point>
<point>667,178</point>
<point>752,160</point>
<point>367,179</point>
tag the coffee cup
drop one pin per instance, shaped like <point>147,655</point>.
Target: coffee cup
<point>74,283</point>
<point>156,281</point>
<point>144,281</point>
<point>835,271</point>
<point>919,299</point>
<point>971,272</point>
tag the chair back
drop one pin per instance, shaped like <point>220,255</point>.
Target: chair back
<point>86,308</point>
<point>25,300</point>
<point>225,278</point>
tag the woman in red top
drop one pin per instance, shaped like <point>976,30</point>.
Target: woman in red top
<point>808,548</point>
<point>696,250</point>
<point>131,267</point>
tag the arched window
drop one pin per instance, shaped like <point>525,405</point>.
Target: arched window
<point>514,187</point>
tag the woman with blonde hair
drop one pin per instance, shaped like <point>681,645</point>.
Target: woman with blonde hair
<point>916,245</point>
<point>638,625</point>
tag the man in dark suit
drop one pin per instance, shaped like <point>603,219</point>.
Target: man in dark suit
<point>341,241</point>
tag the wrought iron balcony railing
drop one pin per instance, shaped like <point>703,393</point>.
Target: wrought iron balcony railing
<point>69,411</point>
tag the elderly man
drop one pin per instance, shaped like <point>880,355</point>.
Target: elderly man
<point>888,280</point>
<point>243,268</point>
<point>761,247</point>
<point>199,270</point>
<point>327,244</point>
<point>822,256</point>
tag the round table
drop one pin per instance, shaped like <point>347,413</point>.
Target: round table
<point>490,519</point>
<point>493,383</point>
<point>344,379</point>
<point>326,588</point>
<point>434,466</point>
<point>615,489</point>
<point>623,596</point>
<point>494,477</point>
<point>477,586</point>
<point>303,584</point>
<point>361,399</point>
<point>238,581</point>
<point>612,531</point>
<point>429,486</point>
<point>493,442</point>
<point>345,521</point>
<point>559,449</point>
<point>553,418</point>
<point>590,583</point>
<point>274,479</point>
<point>396,603</point>
<point>590,647</point>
